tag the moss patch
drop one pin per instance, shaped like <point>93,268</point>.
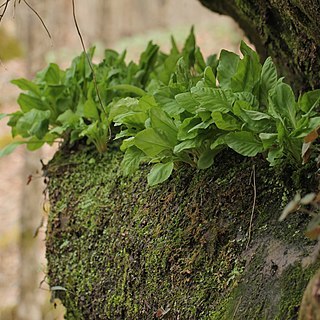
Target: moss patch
<point>123,250</point>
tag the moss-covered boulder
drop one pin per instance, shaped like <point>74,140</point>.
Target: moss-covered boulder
<point>204,245</point>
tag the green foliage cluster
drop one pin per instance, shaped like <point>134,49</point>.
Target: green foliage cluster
<point>168,108</point>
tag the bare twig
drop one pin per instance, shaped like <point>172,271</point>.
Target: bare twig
<point>5,5</point>
<point>39,17</point>
<point>253,205</point>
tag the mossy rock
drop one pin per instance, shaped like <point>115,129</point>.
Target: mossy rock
<point>181,250</point>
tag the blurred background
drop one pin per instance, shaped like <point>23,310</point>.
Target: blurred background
<point>25,47</point>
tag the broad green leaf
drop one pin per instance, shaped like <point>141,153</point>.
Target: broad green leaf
<point>218,143</point>
<point>55,91</point>
<point>268,80</point>
<point>159,173</point>
<point>199,61</point>
<point>212,61</point>
<point>28,103</point>
<point>147,60</point>
<point>163,123</point>
<point>13,119</point>
<point>10,148</point>
<point>206,159</point>
<point>239,106</point>
<point>145,103</point>
<point>305,126</point>
<point>225,121</point>
<point>212,99</point>
<point>314,123</point>
<point>80,68</point>
<point>183,74</point>
<point>3,115</point>
<point>202,125</point>
<point>187,144</point>
<point>247,97</point>
<point>128,88</point>
<point>127,143</point>
<point>187,102</point>
<point>125,133</point>
<point>247,75</point>
<point>274,155</point>
<point>209,77</point>
<point>188,51</point>
<point>90,110</point>
<point>131,119</point>
<point>26,85</point>
<point>122,106</point>
<point>50,75</point>
<point>254,120</point>
<point>282,104</point>
<point>204,116</point>
<point>166,99</point>
<point>79,110</point>
<point>131,160</point>
<point>256,115</point>
<point>228,64</point>
<point>152,143</point>
<point>58,130</point>
<point>247,51</point>
<point>302,128</point>
<point>185,131</point>
<point>68,118</point>
<point>268,139</point>
<point>282,132</point>
<point>309,100</point>
<point>244,143</point>
<point>35,122</point>
<point>166,69</point>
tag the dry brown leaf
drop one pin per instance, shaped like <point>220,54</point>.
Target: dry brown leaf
<point>161,312</point>
<point>305,152</point>
<point>313,135</point>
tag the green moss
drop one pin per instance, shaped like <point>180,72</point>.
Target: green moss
<point>124,250</point>
<point>293,283</point>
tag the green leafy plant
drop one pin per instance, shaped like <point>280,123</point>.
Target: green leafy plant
<point>236,103</point>
<point>65,105</point>
<point>169,108</point>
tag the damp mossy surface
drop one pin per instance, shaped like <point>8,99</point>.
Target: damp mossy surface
<point>181,250</point>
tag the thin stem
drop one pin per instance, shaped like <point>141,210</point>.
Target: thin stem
<point>39,17</point>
